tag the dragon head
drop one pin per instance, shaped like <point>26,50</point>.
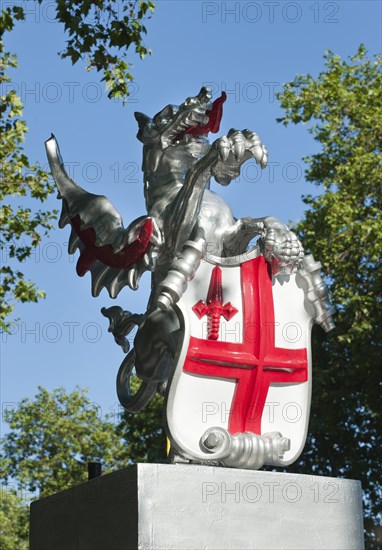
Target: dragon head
<point>196,116</point>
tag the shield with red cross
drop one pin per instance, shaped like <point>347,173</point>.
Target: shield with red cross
<point>245,363</point>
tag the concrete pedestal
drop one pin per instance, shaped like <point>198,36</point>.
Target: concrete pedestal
<point>179,507</point>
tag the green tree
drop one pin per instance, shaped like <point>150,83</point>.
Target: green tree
<point>19,177</point>
<point>343,228</point>
<point>52,438</point>
<point>14,519</point>
<point>102,31</point>
<point>143,432</point>
<point>99,33</point>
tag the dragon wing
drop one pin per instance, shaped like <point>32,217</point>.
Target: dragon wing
<point>116,256</point>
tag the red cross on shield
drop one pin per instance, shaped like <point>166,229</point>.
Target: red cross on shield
<point>256,362</point>
<point>252,364</point>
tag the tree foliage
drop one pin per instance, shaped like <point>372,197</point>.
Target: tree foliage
<point>21,230</point>
<point>144,433</point>
<point>14,520</point>
<point>100,33</point>
<point>343,228</point>
<point>53,437</point>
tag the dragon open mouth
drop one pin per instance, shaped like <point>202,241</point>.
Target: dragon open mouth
<point>214,115</point>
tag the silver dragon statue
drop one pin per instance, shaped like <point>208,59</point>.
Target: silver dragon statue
<point>186,224</point>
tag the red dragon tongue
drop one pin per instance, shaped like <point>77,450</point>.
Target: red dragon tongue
<point>214,118</point>
<point>215,115</point>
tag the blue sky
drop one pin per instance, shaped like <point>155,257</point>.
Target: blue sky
<point>246,48</point>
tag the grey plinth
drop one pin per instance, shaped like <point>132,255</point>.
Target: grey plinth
<point>176,507</point>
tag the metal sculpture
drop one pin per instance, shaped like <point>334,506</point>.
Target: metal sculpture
<point>226,334</point>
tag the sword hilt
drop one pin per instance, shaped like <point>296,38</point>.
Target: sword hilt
<point>213,325</point>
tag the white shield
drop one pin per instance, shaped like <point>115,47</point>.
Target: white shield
<point>246,366</point>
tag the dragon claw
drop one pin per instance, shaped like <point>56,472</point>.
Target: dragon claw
<point>132,277</point>
<point>239,146</point>
<point>281,247</point>
<point>233,150</point>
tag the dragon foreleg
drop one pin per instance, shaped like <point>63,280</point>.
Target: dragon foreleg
<point>184,211</point>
